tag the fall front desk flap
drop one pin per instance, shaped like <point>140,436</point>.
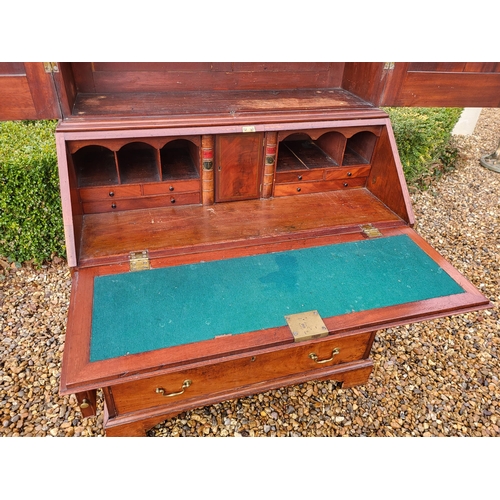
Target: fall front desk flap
<point>156,308</point>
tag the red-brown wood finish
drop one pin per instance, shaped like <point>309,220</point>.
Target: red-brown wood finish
<point>238,166</point>
<point>105,78</point>
<point>204,161</point>
<point>425,84</point>
<point>27,92</point>
<point>85,91</point>
<point>248,369</point>
<point>79,372</point>
<point>137,423</point>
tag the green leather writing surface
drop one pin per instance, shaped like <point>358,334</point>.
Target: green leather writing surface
<point>146,310</point>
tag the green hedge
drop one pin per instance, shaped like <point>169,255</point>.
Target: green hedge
<point>31,227</point>
<point>423,139</point>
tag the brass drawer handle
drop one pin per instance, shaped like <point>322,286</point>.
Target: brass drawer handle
<point>314,357</point>
<point>185,385</point>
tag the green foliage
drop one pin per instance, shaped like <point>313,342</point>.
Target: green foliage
<point>31,227</point>
<point>423,137</point>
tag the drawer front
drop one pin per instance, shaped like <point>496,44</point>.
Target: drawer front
<point>300,175</point>
<point>253,368</point>
<point>144,202</point>
<point>318,186</point>
<point>347,173</point>
<point>109,193</point>
<point>168,187</point>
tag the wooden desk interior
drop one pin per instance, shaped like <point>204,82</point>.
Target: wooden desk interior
<point>173,230</point>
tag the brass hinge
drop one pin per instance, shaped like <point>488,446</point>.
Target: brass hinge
<point>389,66</point>
<point>370,231</point>
<point>248,128</point>
<point>51,67</point>
<point>139,261</point>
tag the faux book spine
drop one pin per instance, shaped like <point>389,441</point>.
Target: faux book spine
<point>267,183</point>
<point>207,175</point>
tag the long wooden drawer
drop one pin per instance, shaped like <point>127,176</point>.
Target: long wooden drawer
<point>317,186</point>
<point>246,370</point>
<point>137,423</point>
<point>143,202</point>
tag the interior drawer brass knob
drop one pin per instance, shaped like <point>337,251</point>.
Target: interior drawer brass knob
<point>185,385</point>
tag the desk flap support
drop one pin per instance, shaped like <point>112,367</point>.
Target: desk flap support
<point>139,261</point>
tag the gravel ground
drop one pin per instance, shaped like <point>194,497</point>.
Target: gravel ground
<point>438,378</point>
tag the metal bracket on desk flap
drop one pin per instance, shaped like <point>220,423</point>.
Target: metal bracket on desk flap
<point>139,261</point>
<point>370,231</point>
<point>50,67</point>
<point>306,326</point>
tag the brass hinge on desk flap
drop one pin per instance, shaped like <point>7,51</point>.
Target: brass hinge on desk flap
<point>139,261</point>
<point>51,67</point>
<point>370,231</point>
<point>248,128</point>
<point>306,326</point>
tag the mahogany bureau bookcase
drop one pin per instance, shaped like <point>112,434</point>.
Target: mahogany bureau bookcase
<point>232,228</point>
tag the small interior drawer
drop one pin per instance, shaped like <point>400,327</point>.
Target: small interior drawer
<point>139,203</point>
<point>347,173</point>
<point>109,193</point>
<point>300,175</point>
<point>168,187</point>
<point>317,186</point>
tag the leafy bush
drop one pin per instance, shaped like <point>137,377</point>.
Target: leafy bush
<point>423,140</point>
<point>31,227</point>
